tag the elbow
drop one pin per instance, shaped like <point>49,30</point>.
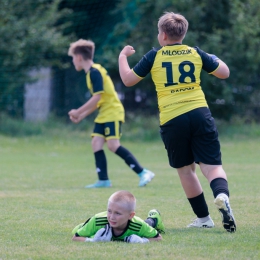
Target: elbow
<point>127,83</point>
<point>225,75</point>
<point>228,74</point>
<point>159,238</point>
<point>224,71</point>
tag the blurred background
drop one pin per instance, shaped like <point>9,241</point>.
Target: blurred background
<point>38,81</point>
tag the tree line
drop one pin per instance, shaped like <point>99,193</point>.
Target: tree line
<point>38,33</point>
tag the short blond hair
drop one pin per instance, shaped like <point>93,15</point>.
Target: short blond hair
<point>124,198</point>
<point>85,48</point>
<point>175,26</point>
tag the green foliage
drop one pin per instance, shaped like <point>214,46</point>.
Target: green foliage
<point>52,127</point>
<point>30,38</point>
<point>12,127</point>
<point>137,128</point>
<point>38,33</point>
<point>229,29</point>
<point>90,19</point>
<point>141,128</point>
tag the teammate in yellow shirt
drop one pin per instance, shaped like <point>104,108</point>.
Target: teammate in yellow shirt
<point>110,116</point>
<point>187,128</point>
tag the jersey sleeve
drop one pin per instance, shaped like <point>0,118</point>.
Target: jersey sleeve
<point>148,231</point>
<point>208,63</point>
<point>88,229</point>
<point>96,80</point>
<point>144,66</point>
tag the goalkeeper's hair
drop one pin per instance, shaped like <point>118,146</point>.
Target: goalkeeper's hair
<point>175,26</point>
<point>85,48</point>
<point>124,198</point>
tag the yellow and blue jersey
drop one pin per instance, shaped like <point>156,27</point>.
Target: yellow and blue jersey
<point>135,226</point>
<point>110,107</point>
<point>175,71</point>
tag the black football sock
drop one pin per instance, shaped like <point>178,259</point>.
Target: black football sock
<point>101,165</point>
<point>219,185</point>
<point>199,206</point>
<point>129,159</point>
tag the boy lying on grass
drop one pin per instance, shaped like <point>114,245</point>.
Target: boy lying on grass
<point>119,223</point>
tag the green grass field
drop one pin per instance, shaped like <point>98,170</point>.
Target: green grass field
<point>42,198</point>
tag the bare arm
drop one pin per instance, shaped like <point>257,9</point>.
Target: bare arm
<point>80,239</point>
<point>159,238</point>
<point>127,75</point>
<point>76,115</point>
<point>222,71</point>
<point>102,235</point>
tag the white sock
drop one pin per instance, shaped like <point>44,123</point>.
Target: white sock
<point>203,220</point>
<point>223,195</point>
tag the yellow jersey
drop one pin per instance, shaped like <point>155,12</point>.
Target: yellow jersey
<point>175,71</point>
<point>109,105</point>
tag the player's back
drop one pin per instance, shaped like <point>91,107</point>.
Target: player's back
<point>110,106</point>
<point>176,73</point>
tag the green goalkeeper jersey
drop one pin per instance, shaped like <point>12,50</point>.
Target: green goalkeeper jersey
<point>135,226</point>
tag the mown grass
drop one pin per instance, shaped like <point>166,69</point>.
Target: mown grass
<point>136,128</point>
<point>42,197</point>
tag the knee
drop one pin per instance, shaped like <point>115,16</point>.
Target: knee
<point>213,171</point>
<point>187,170</point>
<point>112,147</point>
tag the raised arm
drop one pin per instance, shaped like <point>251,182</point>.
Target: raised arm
<point>222,71</point>
<point>127,75</point>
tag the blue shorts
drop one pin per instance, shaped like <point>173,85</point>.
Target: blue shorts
<point>192,137</point>
<point>108,130</point>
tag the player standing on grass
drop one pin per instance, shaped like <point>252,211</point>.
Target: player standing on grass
<point>110,117</point>
<point>187,128</point>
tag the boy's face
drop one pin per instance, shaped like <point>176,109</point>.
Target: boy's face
<point>118,215</point>
<point>76,59</point>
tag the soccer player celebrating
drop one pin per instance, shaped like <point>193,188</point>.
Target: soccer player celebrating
<point>110,117</point>
<point>119,223</point>
<point>187,128</point>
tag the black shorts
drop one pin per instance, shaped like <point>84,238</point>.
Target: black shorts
<point>192,137</point>
<point>108,130</point>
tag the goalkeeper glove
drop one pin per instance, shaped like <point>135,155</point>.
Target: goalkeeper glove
<point>103,235</point>
<point>136,239</point>
<point>88,239</point>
